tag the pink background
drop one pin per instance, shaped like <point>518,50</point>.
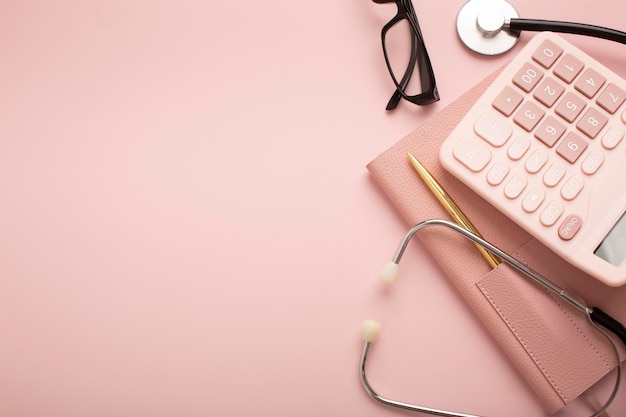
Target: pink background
<point>187,226</point>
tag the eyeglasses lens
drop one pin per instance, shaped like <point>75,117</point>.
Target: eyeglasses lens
<point>403,57</point>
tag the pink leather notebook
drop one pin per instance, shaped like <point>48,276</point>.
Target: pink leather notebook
<point>552,345</point>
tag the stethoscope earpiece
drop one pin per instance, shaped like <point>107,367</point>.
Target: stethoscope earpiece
<point>390,271</point>
<point>480,25</point>
<point>371,328</point>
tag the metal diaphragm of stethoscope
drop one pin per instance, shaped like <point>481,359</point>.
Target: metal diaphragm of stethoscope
<point>492,27</point>
<point>390,272</point>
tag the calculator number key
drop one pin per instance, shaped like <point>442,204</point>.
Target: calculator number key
<point>570,107</point>
<point>527,77</point>
<point>547,53</point>
<point>592,122</point>
<point>572,147</point>
<point>528,116</point>
<point>568,68</point>
<point>590,83</point>
<point>550,131</point>
<point>611,98</point>
<point>549,92</point>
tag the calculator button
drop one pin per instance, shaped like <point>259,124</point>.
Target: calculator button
<point>549,131</point>
<point>547,53</point>
<point>498,173</point>
<point>551,213</point>
<point>612,137</point>
<point>571,147</point>
<point>570,226</point>
<point>527,77</point>
<point>612,98</point>
<point>528,116</point>
<point>507,101</point>
<point>549,91</point>
<point>518,147</point>
<point>474,155</point>
<point>536,161</point>
<point>533,200</point>
<point>592,122</point>
<point>590,83</point>
<point>493,128</point>
<point>568,68</point>
<point>592,162</point>
<point>554,174</point>
<point>572,188</point>
<point>515,186</point>
<point>570,107</point>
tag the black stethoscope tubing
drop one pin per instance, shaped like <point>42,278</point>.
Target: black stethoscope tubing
<point>538,25</point>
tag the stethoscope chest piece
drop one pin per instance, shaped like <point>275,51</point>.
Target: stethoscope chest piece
<point>480,23</point>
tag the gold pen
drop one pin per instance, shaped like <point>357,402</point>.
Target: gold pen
<point>446,201</point>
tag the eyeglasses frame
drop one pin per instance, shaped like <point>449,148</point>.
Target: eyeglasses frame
<point>429,93</point>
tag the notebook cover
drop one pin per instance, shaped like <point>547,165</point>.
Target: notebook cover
<point>552,345</point>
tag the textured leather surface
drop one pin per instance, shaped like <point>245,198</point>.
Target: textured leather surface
<point>541,336</point>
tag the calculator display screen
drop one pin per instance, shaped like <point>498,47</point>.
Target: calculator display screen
<point>613,247</point>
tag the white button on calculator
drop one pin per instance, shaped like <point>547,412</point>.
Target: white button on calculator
<point>545,145</point>
<point>471,153</point>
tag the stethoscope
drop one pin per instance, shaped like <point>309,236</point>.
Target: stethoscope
<point>390,272</point>
<point>492,27</point>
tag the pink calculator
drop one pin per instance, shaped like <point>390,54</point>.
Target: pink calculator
<point>545,145</point>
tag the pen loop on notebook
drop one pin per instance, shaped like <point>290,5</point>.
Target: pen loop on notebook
<point>560,292</point>
<point>390,273</point>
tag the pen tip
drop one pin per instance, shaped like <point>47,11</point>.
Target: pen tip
<point>417,164</point>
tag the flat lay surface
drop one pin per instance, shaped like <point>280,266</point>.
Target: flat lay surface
<point>187,226</point>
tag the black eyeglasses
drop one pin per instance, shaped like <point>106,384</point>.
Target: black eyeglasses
<point>412,73</point>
